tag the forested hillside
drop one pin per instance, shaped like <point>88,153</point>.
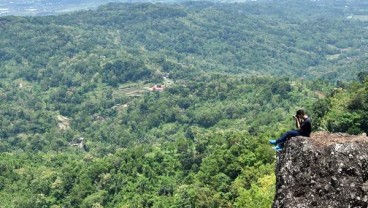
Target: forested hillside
<point>345,109</point>
<point>199,144</point>
<point>279,39</point>
<point>80,127</point>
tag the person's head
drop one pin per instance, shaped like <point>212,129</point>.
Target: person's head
<point>300,113</point>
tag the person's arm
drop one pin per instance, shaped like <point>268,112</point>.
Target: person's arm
<point>297,122</point>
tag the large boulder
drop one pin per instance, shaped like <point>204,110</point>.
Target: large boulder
<point>324,170</point>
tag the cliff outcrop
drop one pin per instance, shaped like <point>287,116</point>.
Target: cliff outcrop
<point>325,170</point>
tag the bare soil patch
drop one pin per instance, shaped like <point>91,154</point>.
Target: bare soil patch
<point>323,138</point>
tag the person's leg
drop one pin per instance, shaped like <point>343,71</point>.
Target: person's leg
<point>286,135</point>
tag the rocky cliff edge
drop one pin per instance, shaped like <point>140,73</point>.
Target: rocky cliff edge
<point>324,170</point>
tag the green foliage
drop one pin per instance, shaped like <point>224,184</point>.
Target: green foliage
<point>127,42</point>
<point>344,110</point>
<point>120,72</point>
<point>199,143</point>
<point>259,195</point>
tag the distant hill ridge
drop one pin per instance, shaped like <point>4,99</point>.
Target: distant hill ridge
<point>301,39</point>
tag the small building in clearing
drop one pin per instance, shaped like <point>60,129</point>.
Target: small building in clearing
<point>159,88</point>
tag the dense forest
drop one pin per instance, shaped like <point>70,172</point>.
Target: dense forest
<point>80,126</point>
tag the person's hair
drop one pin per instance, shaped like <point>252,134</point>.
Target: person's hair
<point>300,112</point>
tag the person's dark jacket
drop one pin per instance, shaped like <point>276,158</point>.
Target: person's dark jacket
<point>306,127</point>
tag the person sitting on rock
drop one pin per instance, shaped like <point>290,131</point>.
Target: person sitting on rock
<point>304,128</point>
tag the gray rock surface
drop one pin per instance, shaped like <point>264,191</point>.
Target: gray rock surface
<point>325,170</point>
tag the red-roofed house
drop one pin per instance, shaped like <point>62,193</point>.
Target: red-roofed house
<point>159,88</point>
